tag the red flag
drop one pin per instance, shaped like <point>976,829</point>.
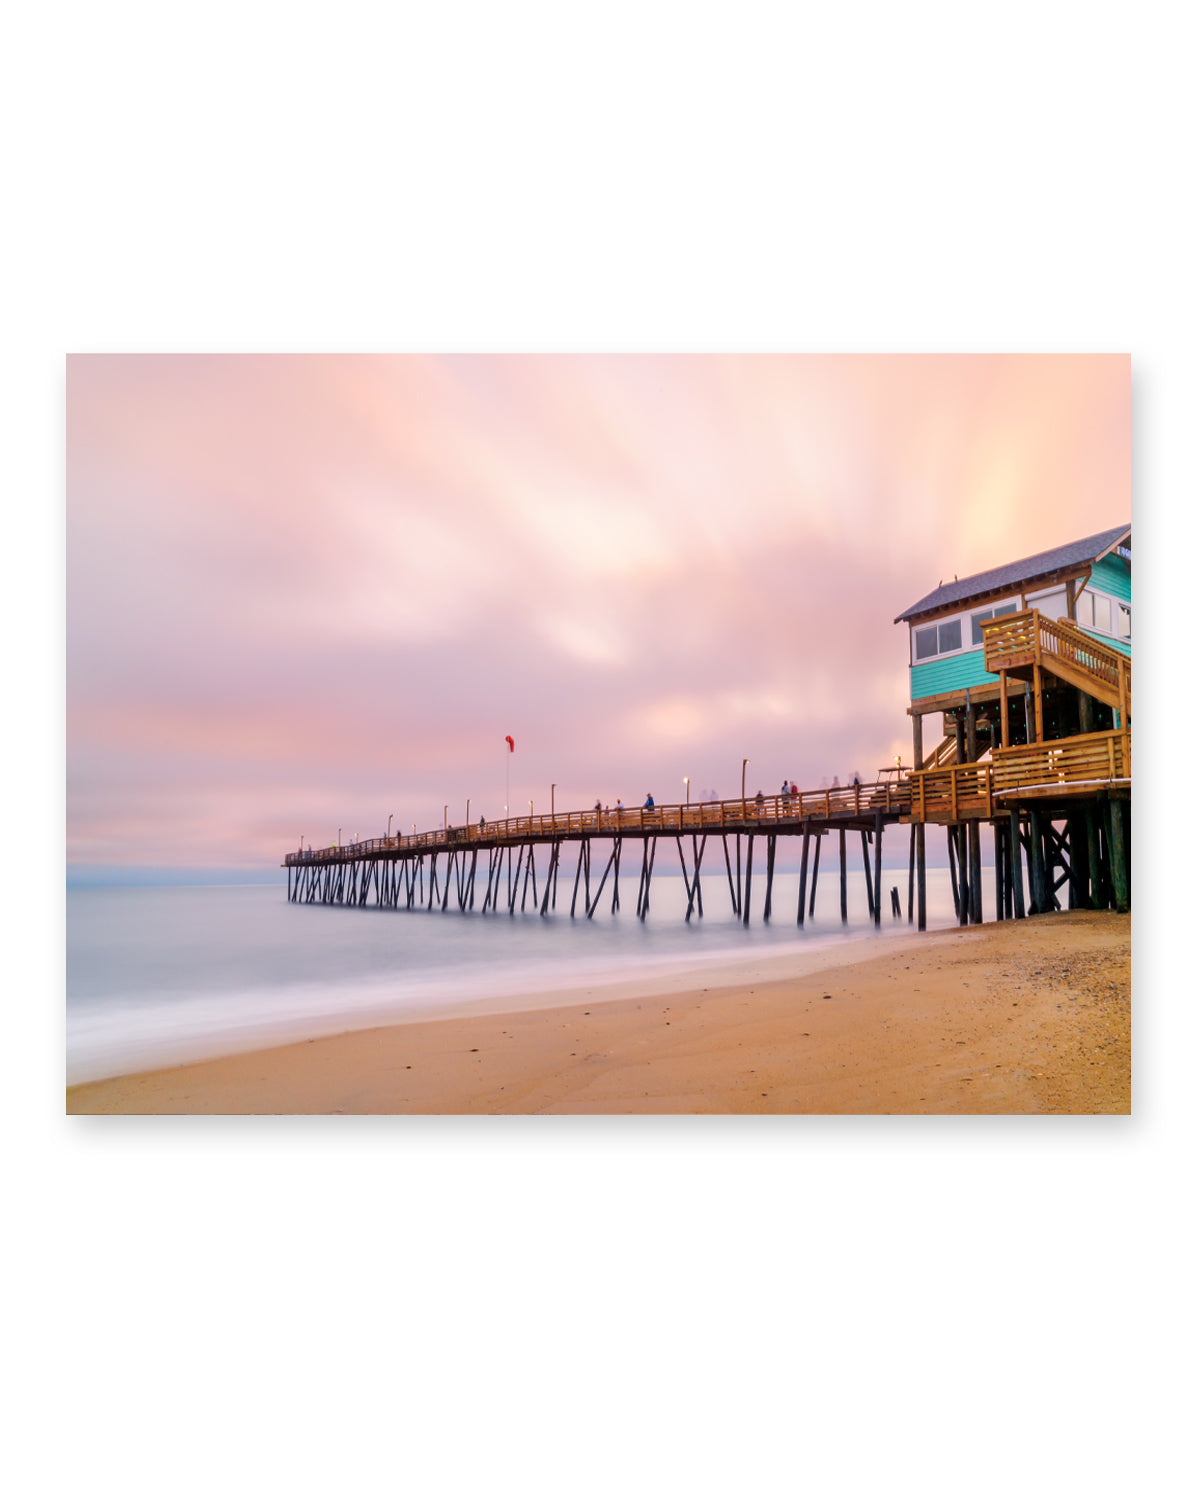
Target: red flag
<point>511,746</point>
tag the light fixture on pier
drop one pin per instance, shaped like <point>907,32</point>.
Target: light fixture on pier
<point>687,791</point>
<point>553,784</point>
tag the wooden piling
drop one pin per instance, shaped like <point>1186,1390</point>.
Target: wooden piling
<point>1120,855</point>
<point>921,898</point>
<point>1037,865</point>
<point>812,896</point>
<point>878,865</point>
<point>649,875</point>
<point>733,900</point>
<point>770,875</point>
<point>746,894</point>
<point>591,911</point>
<point>867,874</point>
<point>578,872</point>
<point>842,867</point>
<point>803,877</point>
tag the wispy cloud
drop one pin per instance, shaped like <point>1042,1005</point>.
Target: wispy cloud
<point>321,589</point>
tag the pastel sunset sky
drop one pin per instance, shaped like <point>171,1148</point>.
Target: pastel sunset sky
<point>307,592</point>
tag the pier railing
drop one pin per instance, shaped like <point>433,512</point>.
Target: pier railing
<point>1083,763</point>
<point>859,799</point>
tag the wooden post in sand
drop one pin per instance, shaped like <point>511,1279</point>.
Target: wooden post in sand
<point>1016,873</point>
<point>1120,856</point>
<point>1093,855</point>
<point>1037,864</point>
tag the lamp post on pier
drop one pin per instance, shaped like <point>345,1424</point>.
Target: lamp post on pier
<point>390,817</point>
<point>687,791</point>
<point>745,763</point>
<point>553,784</point>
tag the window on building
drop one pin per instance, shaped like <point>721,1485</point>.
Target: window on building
<point>925,642</point>
<point>1124,622</point>
<point>988,614</point>
<point>1098,612</point>
<point>949,636</point>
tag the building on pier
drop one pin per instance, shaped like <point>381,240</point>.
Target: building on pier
<point>1029,667</point>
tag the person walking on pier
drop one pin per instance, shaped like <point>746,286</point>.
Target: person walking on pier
<point>649,802</point>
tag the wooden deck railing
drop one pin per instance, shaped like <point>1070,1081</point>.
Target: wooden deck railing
<point>1054,767</point>
<point>1032,639</point>
<point>753,815</point>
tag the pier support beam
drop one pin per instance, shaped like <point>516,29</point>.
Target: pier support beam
<point>879,866</point>
<point>770,874</point>
<point>1120,855</point>
<point>733,900</point>
<point>921,908</point>
<point>803,878</point>
<point>842,867</point>
<point>1037,864</point>
<point>746,893</point>
<point>812,899</point>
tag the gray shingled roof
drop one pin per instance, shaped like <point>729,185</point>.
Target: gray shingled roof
<point>1026,570</point>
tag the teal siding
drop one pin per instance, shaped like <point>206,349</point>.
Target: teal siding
<point>1111,576</point>
<point>949,674</point>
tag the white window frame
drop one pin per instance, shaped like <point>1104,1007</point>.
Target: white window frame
<point>1013,603</point>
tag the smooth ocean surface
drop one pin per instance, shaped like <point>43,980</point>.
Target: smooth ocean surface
<point>157,975</point>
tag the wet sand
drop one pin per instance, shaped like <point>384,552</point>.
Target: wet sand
<point>1027,1017</point>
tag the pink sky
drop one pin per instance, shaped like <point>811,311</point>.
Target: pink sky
<point>304,592</point>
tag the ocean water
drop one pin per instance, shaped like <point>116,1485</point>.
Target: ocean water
<point>165,974</point>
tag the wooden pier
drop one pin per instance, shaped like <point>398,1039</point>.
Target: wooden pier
<point>404,871</point>
<point>1036,744</point>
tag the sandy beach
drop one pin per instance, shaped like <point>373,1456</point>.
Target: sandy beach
<point>1025,1017</point>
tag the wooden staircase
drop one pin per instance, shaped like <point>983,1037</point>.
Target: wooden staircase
<point>1021,644</point>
